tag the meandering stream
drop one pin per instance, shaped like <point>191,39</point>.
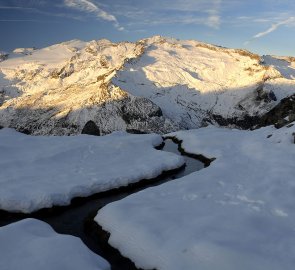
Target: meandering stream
<point>77,218</point>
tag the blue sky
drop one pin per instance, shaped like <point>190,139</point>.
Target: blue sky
<point>262,26</point>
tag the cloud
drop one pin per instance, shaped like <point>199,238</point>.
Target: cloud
<point>35,10</point>
<point>271,29</point>
<point>213,19</point>
<point>20,8</point>
<point>275,27</point>
<point>207,12</point>
<point>89,7</point>
<point>170,12</point>
<point>16,20</point>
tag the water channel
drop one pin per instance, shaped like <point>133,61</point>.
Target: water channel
<point>77,218</point>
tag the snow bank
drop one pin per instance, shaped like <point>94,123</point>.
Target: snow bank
<point>236,214</point>
<point>33,245</point>
<point>39,172</point>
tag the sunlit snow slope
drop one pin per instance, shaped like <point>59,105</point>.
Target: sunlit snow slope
<point>154,85</point>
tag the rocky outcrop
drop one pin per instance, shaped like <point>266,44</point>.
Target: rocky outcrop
<point>91,128</point>
<point>281,115</point>
<point>245,122</point>
<point>265,95</point>
<point>3,56</point>
<point>142,109</point>
<point>129,113</point>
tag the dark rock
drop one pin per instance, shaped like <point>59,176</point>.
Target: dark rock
<point>91,128</point>
<point>292,117</point>
<point>24,131</point>
<point>245,122</point>
<point>3,57</point>
<point>293,134</point>
<point>263,95</point>
<point>272,96</point>
<point>281,115</point>
<point>281,123</point>
<point>268,136</point>
<point>135,131</point>
<point>140,109</point>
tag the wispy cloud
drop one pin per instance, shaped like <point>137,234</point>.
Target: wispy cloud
<point>37,11</point>
<point>207,12</point>
<point>213,19</point>
<point>17,8</point>
<point>20,20</point>
<point>89,7</point>
<point>169,12</point>
<point>272,28</point>
<point>275,27</point>
<point>16,20</point>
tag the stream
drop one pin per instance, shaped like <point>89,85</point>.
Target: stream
<point>77,218</point>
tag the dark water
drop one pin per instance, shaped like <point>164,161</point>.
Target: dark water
<point>75,219</point>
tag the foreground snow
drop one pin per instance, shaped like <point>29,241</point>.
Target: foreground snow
<point>32,244</point>
<point>39,172</point>
<point>236,214</point>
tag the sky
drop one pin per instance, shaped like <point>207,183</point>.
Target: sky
<point>261,26</point>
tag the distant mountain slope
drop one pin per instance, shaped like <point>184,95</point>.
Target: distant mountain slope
<point>154,85</point>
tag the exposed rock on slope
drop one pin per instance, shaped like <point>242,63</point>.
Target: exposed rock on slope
<point>91,128</point>
<point>3,56</point>
<point>153,85</point>
<point>282,114</point>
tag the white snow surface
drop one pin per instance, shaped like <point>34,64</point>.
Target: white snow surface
<point>190,81</point>
<point>24,51</point>
<point>238,213</point>
<point>50,57</point>
<point>39,172</point>
<point>31,244</point>
<point>58,89</point>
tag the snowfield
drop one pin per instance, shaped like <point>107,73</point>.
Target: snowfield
<point>236,214</point>
<point>58,89</point>
<point>39,172</point>
<point>31,244</point>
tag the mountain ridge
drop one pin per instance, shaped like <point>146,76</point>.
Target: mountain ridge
<point>156,84</point>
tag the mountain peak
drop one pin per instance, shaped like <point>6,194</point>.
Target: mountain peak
<point>58,89</point>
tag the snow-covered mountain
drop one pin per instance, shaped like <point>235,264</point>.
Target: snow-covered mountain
<point>154,85</point>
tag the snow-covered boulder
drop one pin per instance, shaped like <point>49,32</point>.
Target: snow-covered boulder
<point>31,244</point>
